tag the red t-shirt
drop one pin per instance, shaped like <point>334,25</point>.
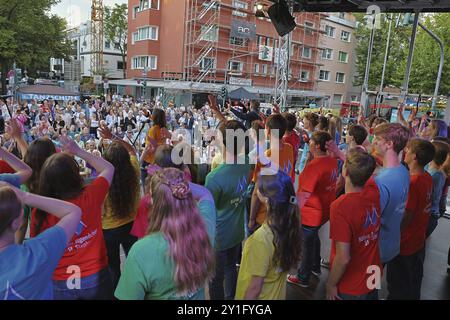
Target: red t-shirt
<point>294,140</point>
<point>419,204</point>
<point>355,219</point>
<point>318,178</point>
<point>87,248</point>
<point>140,224</point>
<point>5,167</point>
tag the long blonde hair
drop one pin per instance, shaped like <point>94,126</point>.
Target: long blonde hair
<point>175,214</point>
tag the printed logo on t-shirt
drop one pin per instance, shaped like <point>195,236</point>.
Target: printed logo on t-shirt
<point>287,167</point>
<point>242,185</point>
<point>11,294</point>
<point>371,218</point>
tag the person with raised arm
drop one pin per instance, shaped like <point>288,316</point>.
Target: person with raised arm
<point>26,270</point>
<point>86,257</point>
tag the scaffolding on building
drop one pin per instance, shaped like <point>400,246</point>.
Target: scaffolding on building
<point>201,40</point>
<point>97,37</point>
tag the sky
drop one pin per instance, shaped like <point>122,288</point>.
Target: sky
<point>78,11</point>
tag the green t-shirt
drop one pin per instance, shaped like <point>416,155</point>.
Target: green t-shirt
<point>228,183</point>
<point>149,273</point>
<point>257,260</point>
<point>207,210</point>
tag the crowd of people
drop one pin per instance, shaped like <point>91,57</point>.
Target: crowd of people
<point>199,214</point>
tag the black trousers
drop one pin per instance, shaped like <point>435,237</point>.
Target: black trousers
<point>404,276</point>
<point>113,239</point>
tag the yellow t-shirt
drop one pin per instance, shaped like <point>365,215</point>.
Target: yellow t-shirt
<point>155,134</point>
<point>109,221</point>
<point>257,260</point>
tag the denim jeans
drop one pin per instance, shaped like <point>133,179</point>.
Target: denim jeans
<point>310,252</point>
<point>113,239</point>
<point>94,287</point>
<point>225,270</point>
<point>432,224</point>
<point>372,295</point>
<point>404,276</point>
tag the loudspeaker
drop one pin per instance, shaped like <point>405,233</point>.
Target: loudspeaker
<point>281,18</point>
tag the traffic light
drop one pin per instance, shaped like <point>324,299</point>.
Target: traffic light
<point>224,92</point>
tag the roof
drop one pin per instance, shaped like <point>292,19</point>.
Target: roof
<point>361,6</point>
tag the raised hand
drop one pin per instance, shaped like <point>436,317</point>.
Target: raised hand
<point>69,146</point>
<point>105,132</point>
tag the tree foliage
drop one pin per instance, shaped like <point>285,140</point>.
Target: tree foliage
<point>116,29</point>
<point>30,36</point>
<point>425,59</point>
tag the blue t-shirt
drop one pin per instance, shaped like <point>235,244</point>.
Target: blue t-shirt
<point>11,178</point>
<point>304,156</point>
<point>26,270</point>
<point>438,185</point>
<point>393,184</point>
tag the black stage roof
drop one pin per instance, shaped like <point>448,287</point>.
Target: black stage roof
<point>361,6</point>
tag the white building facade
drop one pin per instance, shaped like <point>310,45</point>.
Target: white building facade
<point>80,36</point>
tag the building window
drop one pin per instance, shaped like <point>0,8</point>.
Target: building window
<point>256,68</point>
<point>135,11</point>
<point>260,40</point>
<point>142,62</point>
<point>239,5</point>
<point>340,77</point>
<point>146,33</point>
<point>308,28</point>
<point>343,56</point>
<point>238,41</point>
<point>237,66</point>
<point>345,36</point>
<point>354,98</point>
<point>327,54</point>
<point>117,46</point>
<point>306,52</point>
<point>267,41</point>
<point>337,99</point>
<point>330,31</point>
<point>304,76</point>
<point>148,4</point>
<point>120,65</point>
<point>207,64</point>
<point>341,15</point>
<point>107,45</point>
<point>210,33</point>
<point>264,69</point>
<point>324,75</point>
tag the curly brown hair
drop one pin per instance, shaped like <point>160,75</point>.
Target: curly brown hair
<point>125,184</point>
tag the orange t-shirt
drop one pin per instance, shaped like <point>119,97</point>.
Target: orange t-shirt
<point>318,178</point>
<point>285,162</point>
<point>419,203</point>
<point>155,134</point>
<point>87,247</point>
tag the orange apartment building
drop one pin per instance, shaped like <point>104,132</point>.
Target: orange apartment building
<point>183,47</point>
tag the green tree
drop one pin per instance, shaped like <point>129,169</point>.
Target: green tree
<point>426,57</point>
<point>397,49</point>
<point>30,36</point>
<point>116,29</point>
